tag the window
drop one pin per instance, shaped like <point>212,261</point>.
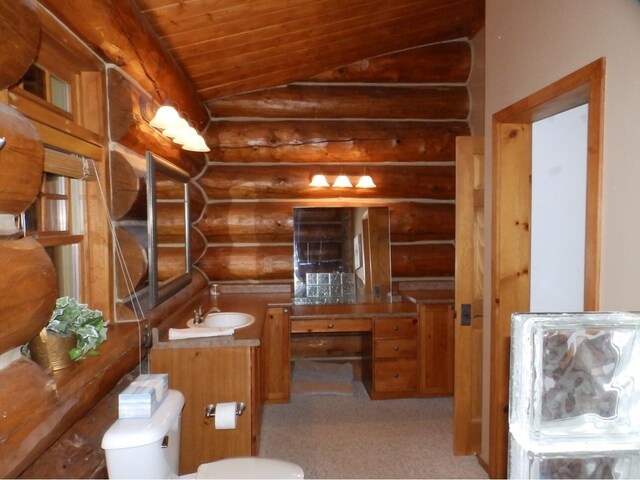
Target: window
<point>57,218</point>
<point>47,86</point>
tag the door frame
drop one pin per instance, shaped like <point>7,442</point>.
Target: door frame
<point>511,216</point>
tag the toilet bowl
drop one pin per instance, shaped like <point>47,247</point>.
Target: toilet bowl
<point>150,448</point>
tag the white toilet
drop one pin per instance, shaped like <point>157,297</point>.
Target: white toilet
<point>150,448</point>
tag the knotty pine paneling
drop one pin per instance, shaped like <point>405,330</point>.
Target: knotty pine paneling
<point>236,46</point>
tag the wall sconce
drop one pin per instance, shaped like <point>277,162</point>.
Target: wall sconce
<point>342,181</point>
<point>171,124</point>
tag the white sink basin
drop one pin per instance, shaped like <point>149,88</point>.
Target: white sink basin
<point>228,320</point>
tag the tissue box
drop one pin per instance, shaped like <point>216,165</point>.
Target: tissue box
<point>143,397</point>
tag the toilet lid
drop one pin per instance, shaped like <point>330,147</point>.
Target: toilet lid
<point>249,467</point>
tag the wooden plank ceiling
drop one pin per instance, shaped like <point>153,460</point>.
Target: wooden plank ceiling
<point>229,47</point>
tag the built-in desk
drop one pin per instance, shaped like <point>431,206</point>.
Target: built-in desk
<point>406,346</point>
<point>389,333</point>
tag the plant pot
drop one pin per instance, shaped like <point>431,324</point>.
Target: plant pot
<point>51,351</point>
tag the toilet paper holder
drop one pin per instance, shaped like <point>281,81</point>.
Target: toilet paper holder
<point>210,410</point>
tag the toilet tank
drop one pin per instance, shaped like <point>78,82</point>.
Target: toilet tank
<point>146,447</point>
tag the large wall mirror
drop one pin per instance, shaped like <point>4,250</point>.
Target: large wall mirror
<point>168,228</point>
<point>341,255</point>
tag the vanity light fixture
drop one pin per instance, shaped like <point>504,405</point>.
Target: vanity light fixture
<point>171,123</point>
<point>319,180</point>
<point>342,181</point>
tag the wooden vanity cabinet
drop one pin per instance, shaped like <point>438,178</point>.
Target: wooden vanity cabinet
<point>390,369</point>
<point>213,375</point>
<point>436,347</point>
<point>275,351</point>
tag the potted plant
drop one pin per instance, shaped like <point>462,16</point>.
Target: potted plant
<point>73,331</point>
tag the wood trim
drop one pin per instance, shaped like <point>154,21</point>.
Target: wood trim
<point>510,282</point>
<point>510,270</point>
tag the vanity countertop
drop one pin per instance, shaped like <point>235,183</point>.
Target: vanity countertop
<point>253,304</point>
<point>257,304</point>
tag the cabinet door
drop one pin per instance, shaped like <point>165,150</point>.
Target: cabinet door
<point>435,346</point>
<point>275,351</point>
<point>204,376</point>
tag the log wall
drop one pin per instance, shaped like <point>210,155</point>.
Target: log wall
<point>397,116</point>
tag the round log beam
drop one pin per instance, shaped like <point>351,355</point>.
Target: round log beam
<point>248,263</point>
<point>128,186</point>
<point>448,62</point>
<point>320,101</point>
<point>28,291</point>
<point>132,242</point>
<point>328,141</point>
<point>221,182</point>
<point>20,39</point>
<point>21,161</point>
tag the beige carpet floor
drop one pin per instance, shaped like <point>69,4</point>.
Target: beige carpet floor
<point>338,436</point>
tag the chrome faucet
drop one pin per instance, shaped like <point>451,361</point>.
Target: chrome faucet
<point>197,316</point>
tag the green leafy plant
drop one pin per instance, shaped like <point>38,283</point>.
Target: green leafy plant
<point>89,327</point>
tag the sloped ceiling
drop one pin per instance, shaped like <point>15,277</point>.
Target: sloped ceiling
<point>228,47</point>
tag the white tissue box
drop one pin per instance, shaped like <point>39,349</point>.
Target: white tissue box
<point>143,397</point>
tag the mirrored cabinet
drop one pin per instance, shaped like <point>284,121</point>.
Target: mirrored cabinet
<point>150,209</point>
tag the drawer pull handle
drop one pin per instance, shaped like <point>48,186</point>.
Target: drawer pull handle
<point>396,348</point>
<point>396,328</point>
<point>330,325</point>
<point>396,375</point>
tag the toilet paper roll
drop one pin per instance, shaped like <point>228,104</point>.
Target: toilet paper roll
<point>226,417</point>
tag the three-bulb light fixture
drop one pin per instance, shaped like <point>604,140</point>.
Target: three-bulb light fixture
<point>342,181</point>
<point>172,125</point>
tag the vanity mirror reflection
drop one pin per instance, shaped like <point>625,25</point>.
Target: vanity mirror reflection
<point>341,255</point>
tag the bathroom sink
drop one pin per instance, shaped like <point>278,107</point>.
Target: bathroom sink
<point>228,320</point>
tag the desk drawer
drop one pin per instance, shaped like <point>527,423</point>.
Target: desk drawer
<point>395,327</point>
<point>336,325</point>
<point>399,375</point>
<point>396,348</point>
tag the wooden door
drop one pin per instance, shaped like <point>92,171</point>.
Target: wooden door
<point>469,274</point>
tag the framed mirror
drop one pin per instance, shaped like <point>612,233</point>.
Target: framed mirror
<point>168,228</point>
<point>341,255</point>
